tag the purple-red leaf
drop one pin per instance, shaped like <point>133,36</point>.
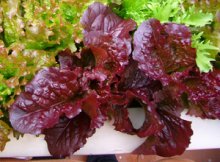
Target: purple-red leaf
<point>91,106</point>
<point>162,49</point>
<point>66,60</point>
<point>148,39</point>
<point>101,19</point>
<point>104,29</point>
<point>133,79</point>
<point>69,135</point>
<point>172,140</point>
<point>44,100</point>
<point>122,122</point>
<point>151,124</point>
<point>137,86</point>
<point>203,92</point>
<point>180,55</point>
<point>175,135</point>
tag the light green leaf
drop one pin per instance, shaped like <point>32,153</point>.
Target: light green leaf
<point>164,10</point>
<point>205,53</point>
<point>192,17</point>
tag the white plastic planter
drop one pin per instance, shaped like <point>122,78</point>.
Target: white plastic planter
<point>108,141</point>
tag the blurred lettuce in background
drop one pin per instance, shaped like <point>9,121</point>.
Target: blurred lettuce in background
<point>42,24</point>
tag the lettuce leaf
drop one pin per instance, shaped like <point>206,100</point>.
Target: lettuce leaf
<point>100,22</point>
<point>205,53</point>
<point>160,50</point>
<point>203,92</point>
<point>31,106</point>
<point>194,17</point>
<point>77,129</point>
<point>172,140</point>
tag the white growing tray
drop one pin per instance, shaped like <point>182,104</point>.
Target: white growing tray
<point>108,141</point>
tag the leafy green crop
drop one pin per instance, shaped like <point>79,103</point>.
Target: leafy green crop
<point>163,10</point>
<point>44,24</point>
